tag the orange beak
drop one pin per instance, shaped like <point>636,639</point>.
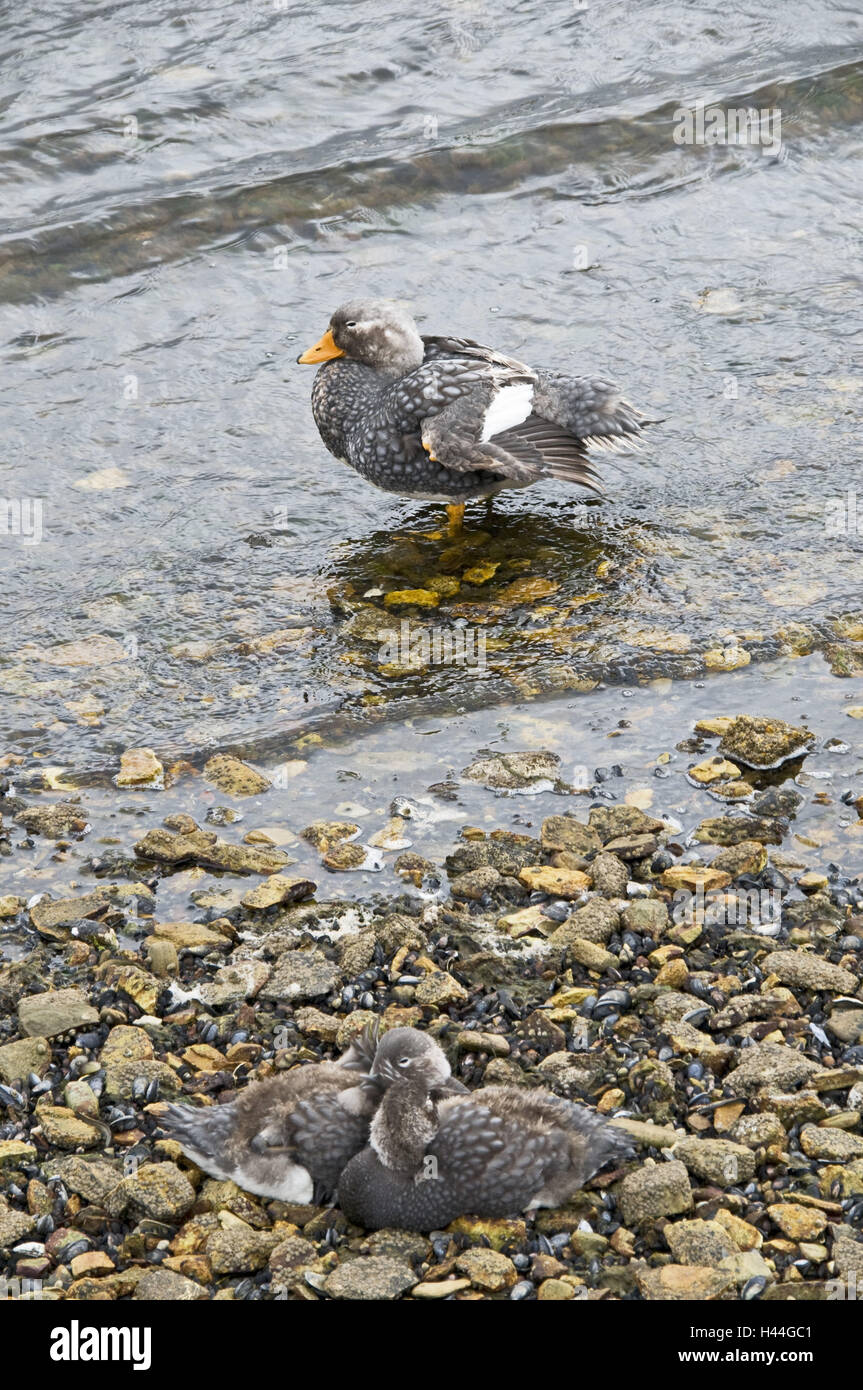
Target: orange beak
<point>322,351</point>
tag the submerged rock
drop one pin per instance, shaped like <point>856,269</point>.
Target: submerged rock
<point>764,743</point>
<point>530,771</point>
<point>139,767</point>
<point>233,777</point>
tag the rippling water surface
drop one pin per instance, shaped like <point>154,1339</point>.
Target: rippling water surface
<point>191,190</point>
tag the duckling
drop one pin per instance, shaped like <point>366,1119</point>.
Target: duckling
<point>290,1135</point>
<point>446,419</point>
<point>496,1152</point>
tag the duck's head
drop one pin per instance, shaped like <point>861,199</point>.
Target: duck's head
<point>405,1054</point>
<point>373,332</point>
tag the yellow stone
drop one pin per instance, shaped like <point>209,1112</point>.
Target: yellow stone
<point>727,658</point>
<point>718,726</point>
<point>797,1222</point>
<point>610,1101</point>
<point>562,883</point>
<point>693,876</point>
<point>480,574</point>
<point>139,767</point>
<point>714,770</point>
<point>416,598</point>
<point>527,590</point>
<point>744,1235</point>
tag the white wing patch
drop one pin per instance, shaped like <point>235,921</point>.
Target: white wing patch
<point>510,406</point>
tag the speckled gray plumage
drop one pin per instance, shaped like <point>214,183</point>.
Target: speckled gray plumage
<point>290,1134</point>
<point>495,1153</point>
<point>417,430</point>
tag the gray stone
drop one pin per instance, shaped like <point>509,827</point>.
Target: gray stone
<point>370,1277</point>
<point>301,975</point>
<point>58,1010</point>
<point>657,1189</point>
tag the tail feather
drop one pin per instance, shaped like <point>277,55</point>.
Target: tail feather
<point>202,1133</point>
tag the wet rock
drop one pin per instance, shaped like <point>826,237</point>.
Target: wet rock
<point>714,770</point>
<point>613,822</point>
<point>299,976</point>
<point>592,956</point>
<point>633,847</point>
<point>764,743</point>
<point>847,1253</point>
<point>121,1076</point>
<point>54,822</point>
<point>64,1130</point>
<point>233,777</point>
<point>56,1011</point>
<point>558,883</point>
<point>344,857</point>
<point>205,848</point>
<point>567,833</point>
<point>139,767</point>
<point>14,1153</point>
<point>48,913</point>
<point>243,979</point>
<point>192,936</point>
<point>693,878</point>
<point>475,884</point>
<point>323,834</point>
<point>657,1189</point>
<point>718,1161</point>
<point>515,771</point>
<point>646,916</point>
<point>370,1277</point>
<point>278,889</point>
<point>509,855</point>
<point>747,857</point>
<point>804,970</point>
<point>731,830</point>
<point>92,1177</point>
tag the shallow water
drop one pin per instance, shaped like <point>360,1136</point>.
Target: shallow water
<point>195,188</point>
<point>626,744</point>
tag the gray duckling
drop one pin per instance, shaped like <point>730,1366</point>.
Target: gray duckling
<point>446,419</point>
<point>290,1135</point>
<point>496,1152</point>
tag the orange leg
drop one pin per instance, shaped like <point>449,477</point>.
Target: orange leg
<point>455,516</point>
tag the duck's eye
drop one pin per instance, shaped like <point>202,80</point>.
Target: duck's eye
<point>350,325</point>
<point>403,1061</point>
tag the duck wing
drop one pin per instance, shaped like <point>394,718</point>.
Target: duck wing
<point>203,1133</point>
<point>438,347</point>
<point>324,1137</point>
<point>496,1165</point>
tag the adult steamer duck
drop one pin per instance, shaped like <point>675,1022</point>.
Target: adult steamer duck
<point>448,420</point>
